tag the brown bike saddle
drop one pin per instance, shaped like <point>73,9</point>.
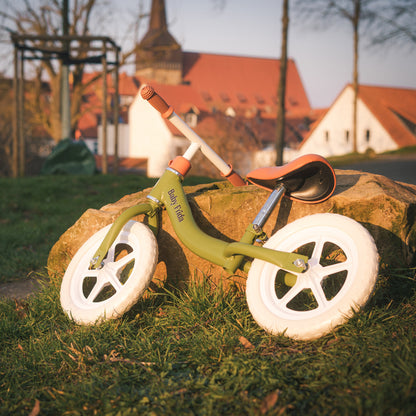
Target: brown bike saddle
<point>309,178</point>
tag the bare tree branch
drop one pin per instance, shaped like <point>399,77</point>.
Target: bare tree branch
<point>44,17</point>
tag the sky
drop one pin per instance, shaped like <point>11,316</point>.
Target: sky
<point>324,58</point>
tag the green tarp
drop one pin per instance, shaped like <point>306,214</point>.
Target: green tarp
<point>70,157</point>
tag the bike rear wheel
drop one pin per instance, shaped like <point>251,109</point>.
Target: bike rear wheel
<point>89,296</point>
<point>341,275</point>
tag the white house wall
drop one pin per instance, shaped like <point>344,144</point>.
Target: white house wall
<point>123,140</point>
<point>329,136</point>
<point>150,138</point>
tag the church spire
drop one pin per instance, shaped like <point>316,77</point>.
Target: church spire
<point>158,34</point>
<point>159,55</point>
<point>158,16</point>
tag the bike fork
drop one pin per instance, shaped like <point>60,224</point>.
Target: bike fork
<point>145,208</point>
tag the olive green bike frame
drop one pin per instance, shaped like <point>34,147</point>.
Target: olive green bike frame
<point>168,193</point>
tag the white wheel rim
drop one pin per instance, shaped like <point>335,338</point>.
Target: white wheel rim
<point>108,276</point>
<point>312,280</point>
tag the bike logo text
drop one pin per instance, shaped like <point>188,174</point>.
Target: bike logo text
<point>177,207</point>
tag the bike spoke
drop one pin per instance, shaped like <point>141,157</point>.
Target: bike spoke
<point>335,268</point>
<point>113,280</point>
<point>318,292</point>
<point>106,276</point>
<point>291,294</point>
<point>119,264</point>
<point>90,273</point>
<point>96,290</point>
<point>317,251</point>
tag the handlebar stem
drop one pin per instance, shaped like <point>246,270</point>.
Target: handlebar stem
<point>149,94</point>
<point>210,154</point>
<point>191,151</point>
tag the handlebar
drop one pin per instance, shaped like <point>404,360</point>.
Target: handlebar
<point>157,102</point>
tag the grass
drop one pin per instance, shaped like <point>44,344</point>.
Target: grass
<point>198,352</point>
<point>194,352</point>
<point>36,211</point>
<point>339,161</point>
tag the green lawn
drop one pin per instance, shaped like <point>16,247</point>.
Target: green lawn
<point>195,352</point>
<point>340,161</point>
<point>36,211</point>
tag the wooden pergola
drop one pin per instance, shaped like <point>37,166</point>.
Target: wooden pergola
<point>96,49</point>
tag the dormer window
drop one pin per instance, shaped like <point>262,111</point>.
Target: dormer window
<point>191,119</point>
<point>293,101</point>
<point>241,97</point>
<point>206,96</point>
<point>260,99</point>
<point>224,97</point>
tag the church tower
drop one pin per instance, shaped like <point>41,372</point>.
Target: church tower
<point>159,55</point>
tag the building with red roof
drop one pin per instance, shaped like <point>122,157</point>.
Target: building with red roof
<point>386,120</point>
<point>247,85</point>
<point>200,86</point>
<point>206,89</point>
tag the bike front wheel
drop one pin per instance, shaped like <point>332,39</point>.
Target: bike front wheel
<point>341,274</point>
<point>89,296</point>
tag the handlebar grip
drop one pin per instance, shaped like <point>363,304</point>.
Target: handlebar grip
<point>149,94</point>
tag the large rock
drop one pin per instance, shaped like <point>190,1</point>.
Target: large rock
<point>386,208</point>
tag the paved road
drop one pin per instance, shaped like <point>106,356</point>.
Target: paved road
<point>402,169</point>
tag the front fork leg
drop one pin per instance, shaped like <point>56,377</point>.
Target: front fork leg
<point>122,219</point>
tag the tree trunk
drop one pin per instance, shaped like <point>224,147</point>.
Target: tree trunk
<point>281,90</point>
<point>356,20</point>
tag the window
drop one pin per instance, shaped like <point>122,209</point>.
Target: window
<point>293,101</point>
<point>367,136</point>
<point>126,100</point>
<point>224,97</point>
<point>347,136</point>
<point>241,97</point>
<point>326,135</point>
<point>206,96</point>
<point>191,119</point>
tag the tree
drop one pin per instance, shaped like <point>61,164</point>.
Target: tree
<point>381,21</point>
<point>6,96</point>
<point>44,17</point>
<point>393,23</point>
<point>281,90</point>
<point>227,136</point>
<point>356,13</point>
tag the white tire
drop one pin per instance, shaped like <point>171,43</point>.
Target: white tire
<point>341,275</point>
<point>90,296</point>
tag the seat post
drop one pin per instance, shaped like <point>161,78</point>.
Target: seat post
<point>268,207</point>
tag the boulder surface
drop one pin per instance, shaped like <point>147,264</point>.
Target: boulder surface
<point>386,208</point>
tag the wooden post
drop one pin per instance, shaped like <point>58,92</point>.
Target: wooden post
<point>281,90</point>
<point>21,111</point>
<point>65,95</point>
<point>15,146</point>
<point>104,111</point>
<point>356,22</point>
<point>116,113</point>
